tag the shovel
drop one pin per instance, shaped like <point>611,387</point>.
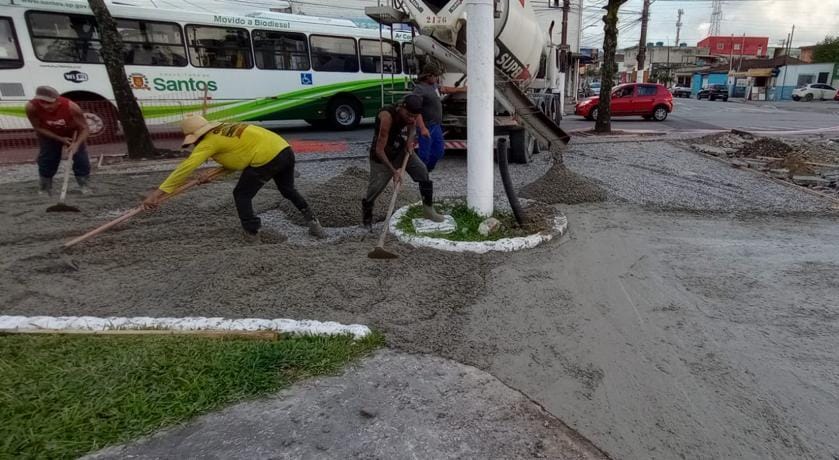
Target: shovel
<point>379,252</point>
<point>61,206</point>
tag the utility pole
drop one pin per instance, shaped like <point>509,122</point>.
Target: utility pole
<point>786,68</point>
<point>563,54</point>
<point>679,26</point>
<point>731,54</point>
<point>642,45</point>
<point>480,47</point>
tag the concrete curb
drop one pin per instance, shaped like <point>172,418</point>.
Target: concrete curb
<point>560,226</point>
<point>92,323</point>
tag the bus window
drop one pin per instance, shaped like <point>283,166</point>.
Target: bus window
<point>219,47</point>
<point>9,49</point>
<point>280,50</point>
<point>151,43</point>
<point>334,54</point>
<point>60,37</point>
<point>371,53</point>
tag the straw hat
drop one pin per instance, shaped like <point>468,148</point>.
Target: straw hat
<point>194,127</point>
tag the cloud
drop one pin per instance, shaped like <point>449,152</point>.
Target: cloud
<point>703,28</point>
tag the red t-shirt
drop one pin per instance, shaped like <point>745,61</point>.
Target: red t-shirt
<point>59,121</point>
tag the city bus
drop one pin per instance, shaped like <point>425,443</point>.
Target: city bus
<point>259,66</point>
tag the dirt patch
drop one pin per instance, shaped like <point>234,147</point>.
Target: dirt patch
<point>766,147</point>
<point>337,202</point>
<point>562,186</point>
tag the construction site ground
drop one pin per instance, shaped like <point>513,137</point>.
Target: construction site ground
<point>690,311</point>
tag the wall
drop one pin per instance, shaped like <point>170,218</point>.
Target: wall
<point>658,55</point>
<point>724,45</point>
<point>788,78</point>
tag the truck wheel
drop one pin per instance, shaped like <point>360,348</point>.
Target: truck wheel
<point>344,113</point>
<point>518,147</point>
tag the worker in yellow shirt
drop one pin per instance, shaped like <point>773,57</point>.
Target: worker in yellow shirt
<point>261,156</point>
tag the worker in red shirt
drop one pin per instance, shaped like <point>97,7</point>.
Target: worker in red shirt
<point>56,120</point>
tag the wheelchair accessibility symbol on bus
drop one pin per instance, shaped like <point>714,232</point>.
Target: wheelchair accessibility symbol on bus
<point>306,79</point>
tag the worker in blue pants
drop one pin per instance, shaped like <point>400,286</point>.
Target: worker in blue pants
<point>429,125</point>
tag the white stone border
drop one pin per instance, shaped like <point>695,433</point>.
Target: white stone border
<point>92,323</point>
<point>560,226</point>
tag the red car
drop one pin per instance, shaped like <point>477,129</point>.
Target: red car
<point>836,97</point>
<point>649,100</point>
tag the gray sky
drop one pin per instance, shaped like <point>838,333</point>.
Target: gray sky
<point>813,19</point>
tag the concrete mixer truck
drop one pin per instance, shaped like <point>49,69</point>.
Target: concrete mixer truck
<point>527,94</point>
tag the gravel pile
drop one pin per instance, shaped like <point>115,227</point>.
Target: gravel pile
<point>563,186</point>
<point>766,147</point>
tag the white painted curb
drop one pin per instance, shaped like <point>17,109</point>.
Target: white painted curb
<point>92,323</point>
<point>480,247</point>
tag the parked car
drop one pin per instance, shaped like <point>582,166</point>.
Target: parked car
<point>836,97</point>
<point>680,91</point>
<point>649,100</point>
<point>812,91</point>
<point>713,92</point>
<point>594,88</point>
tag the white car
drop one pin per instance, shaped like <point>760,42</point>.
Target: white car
<point>812,91</point>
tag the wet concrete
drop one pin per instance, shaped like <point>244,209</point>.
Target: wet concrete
<point>694,318</point>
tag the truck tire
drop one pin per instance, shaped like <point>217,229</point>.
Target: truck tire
<point>518,147</point>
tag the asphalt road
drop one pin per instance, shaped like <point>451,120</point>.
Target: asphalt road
<point>691,114</point>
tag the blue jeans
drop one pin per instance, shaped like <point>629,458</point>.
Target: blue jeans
<point>431,149</point>
<point>49,158</point>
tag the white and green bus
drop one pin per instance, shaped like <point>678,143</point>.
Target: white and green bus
<point>260,67</point>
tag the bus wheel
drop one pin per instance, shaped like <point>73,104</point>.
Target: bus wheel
<point>102,120</point>
<point>344,113</point>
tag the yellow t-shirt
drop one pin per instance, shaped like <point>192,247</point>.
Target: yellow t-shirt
<point>233,145</point>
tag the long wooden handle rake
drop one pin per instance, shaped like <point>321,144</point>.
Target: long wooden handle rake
<point>134,211</point>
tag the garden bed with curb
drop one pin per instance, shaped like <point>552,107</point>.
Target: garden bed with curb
<point>544,227</point>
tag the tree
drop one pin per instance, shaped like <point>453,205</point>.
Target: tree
<point>610,67</point>
<point>827,50</point>
<point>133,124</point>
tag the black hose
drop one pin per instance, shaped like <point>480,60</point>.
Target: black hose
<point>504,169</point>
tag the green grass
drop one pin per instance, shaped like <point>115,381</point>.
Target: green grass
<point>467,223</point>
<point>63,396</point>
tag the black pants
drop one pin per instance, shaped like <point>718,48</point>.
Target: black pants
<point>281,169</point>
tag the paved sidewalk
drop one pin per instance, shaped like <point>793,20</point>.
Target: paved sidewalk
<point>393,405</point>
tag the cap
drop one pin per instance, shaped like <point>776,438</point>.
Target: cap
<point>194,127</point>
<point>46,94</point>
<point>413,104</point>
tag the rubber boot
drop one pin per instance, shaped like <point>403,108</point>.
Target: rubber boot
<point>367,215</point>
<point>250,237</point>
<point>427,193</point>
<point>83,184</point>
<point>45,186</point>
<point>315,228</point>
